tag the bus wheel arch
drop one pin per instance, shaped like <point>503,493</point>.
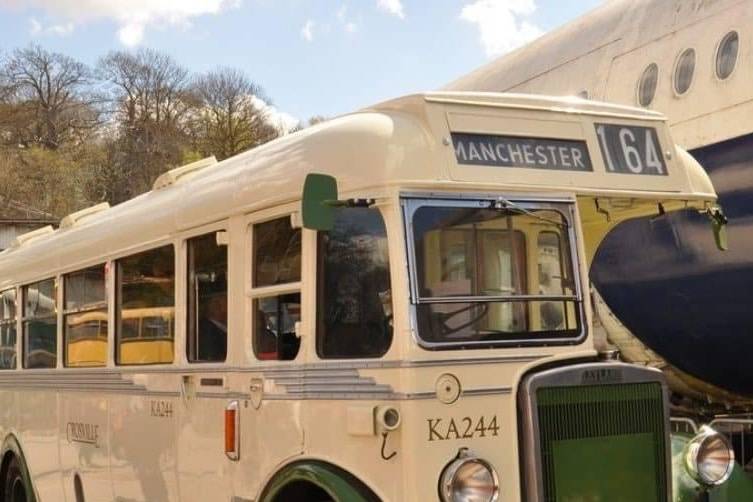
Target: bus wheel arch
<point>317,478</point>
<point>13,458</point>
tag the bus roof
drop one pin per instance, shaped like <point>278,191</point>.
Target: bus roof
<point>406,142</point>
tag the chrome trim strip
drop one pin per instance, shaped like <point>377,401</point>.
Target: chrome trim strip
<point>374,364</point>
<point>491,299</point>
<point>489,391</point>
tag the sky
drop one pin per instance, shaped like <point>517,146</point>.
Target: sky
<point>312,57</point>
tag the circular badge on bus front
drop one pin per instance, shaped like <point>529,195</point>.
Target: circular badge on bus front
<point>448,388</point>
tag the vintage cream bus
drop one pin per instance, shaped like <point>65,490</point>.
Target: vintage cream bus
<point>392,305</point>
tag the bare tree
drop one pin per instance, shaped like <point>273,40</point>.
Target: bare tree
<point>317,119</point>
<point>46,97</point>
<point>232,117</point>
<point>151,104</point>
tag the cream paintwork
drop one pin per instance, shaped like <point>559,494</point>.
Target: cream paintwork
<point>392,148</point>
<point>605,52</point>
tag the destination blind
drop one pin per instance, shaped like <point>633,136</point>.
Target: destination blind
<point>519,152</point>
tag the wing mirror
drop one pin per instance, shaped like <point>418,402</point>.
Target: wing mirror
<point>319,202</point>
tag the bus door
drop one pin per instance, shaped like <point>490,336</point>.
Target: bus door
<point>206,384</point>
<point>272,423</point>
<point>143,419</point>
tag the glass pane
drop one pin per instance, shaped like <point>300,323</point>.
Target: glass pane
<point>684,71</point>
<point>86,339</point>
<point>552,316</point>
<point>277,253</point>
<point>207,299</point>
<point>726,57</point>
<point>8,346</point>
<point>84,288</point>
<point>647,85</point>
<point>473,252</point>
<point>496,321</point>
<point>8,305</point>
<point>274,327</point>
<point>39,299</point>
<point>40,343</point>
<point>551,280</point>
<point>146,307</point>
<point>355,298</point>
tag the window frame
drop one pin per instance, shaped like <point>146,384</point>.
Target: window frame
<point>642,80</point>
<point>116,316</point>
<point>14,321</point>
<point>718,52</point>
<point>411,202</point>
<point>677,67</point>
<point>318,286</point>
<point>93,307</point>
<point>186,286</point>
<point>254,293</point>
<point>25,319</point>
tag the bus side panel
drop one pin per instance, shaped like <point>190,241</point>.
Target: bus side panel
<point>143,462</point>
<point>203,468</point>
<point>8,412</point>
<point>38,431</point>
<point>84,445</point>
<point>270,436</point>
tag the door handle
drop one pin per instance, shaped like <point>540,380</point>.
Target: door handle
<point>187,387</point>
<point>256,390</point>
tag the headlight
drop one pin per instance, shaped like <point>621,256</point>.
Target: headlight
<point>468,479</point>
<point>709,457</point>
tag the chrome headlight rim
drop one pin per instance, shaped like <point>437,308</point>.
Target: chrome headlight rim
<point>448,477</point>
<point>697,446</point>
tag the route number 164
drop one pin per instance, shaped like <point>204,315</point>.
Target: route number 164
<point>631,149</point>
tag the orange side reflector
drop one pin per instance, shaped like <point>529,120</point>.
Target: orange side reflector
<point>230,431</point>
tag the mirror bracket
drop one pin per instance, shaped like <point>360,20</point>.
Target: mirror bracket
<point>719,226</point>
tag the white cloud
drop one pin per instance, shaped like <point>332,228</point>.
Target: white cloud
<point>133,17</point>
<point>131,34</point>
<point>37,29</point>
<point>342,13</point>
<point>348,25</point>
<point>502,24</point>
<point>307,32</point>
<point>283,121</point>
<point>394,7</point>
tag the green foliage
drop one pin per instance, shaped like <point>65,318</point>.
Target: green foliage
<point>73,136</point>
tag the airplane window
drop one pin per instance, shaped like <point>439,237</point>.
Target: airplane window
<point>647,85</point>
<point>684,71</point>
<point>726,55</point>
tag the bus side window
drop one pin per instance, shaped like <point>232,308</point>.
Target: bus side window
<point>145,311</point>
<point>276,289</point>
<point>40,325</point>
<point>354,297</point>
<point>85,318</point>
<point>8,329</point>
<point>207,299</point>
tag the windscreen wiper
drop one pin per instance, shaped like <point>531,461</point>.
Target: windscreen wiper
<point>502,204</point>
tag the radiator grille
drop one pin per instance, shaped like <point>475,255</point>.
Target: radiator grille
<point>620,418</point>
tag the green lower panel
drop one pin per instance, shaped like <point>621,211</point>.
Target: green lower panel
<point>582,473</point>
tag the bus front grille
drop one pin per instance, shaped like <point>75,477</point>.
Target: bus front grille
<point>598,442</point>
